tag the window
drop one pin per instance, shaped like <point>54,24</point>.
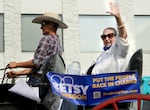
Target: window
<point>142,32</point>
<point>31,33</point>
<point>91,28</point>
<point>1,33</point>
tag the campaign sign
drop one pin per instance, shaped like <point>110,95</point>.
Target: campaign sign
<point>93,89</point>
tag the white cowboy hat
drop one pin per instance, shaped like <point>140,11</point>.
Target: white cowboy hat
<point>50,17</point>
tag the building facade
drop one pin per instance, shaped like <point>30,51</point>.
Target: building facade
<point>81,41</point>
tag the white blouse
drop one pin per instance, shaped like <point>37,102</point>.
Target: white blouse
<point>114,59</point>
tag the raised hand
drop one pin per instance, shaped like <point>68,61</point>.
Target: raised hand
<point>114,9</point>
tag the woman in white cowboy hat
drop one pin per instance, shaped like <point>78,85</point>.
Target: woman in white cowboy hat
<point>48,46</point>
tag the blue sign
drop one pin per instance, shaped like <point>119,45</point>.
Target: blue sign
<point>93,89</point>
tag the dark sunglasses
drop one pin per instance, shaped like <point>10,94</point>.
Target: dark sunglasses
<point>110,36</point>
<point>45,23</point>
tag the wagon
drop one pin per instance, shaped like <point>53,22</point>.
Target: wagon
<point>12,101</point>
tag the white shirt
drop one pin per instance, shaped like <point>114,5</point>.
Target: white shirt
<point>114,59</point>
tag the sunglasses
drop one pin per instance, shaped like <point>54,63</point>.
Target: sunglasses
<point>110,36</point>
<point>45,23</point>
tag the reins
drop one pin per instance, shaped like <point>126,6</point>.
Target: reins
<point>4,73</point>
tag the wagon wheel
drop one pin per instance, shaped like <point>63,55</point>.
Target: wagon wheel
<point>113,101</point>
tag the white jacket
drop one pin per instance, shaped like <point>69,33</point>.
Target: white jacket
<point>114,59</point>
